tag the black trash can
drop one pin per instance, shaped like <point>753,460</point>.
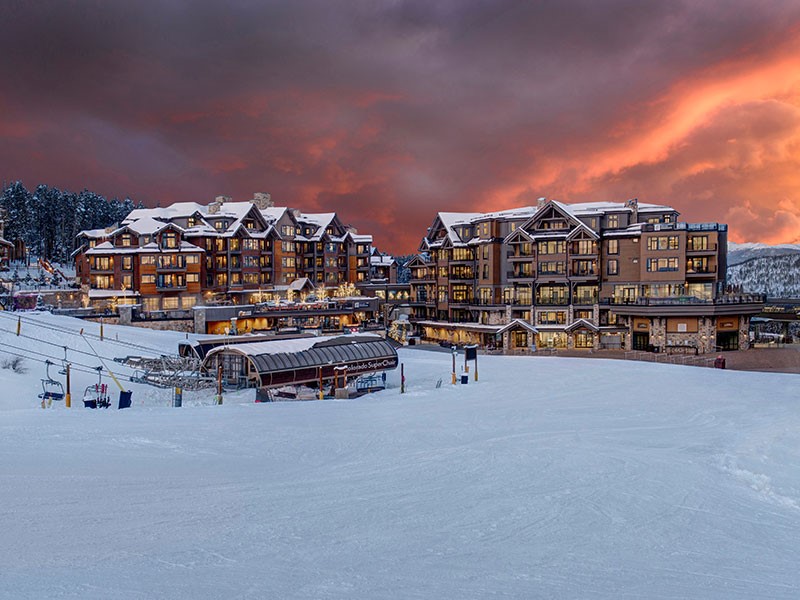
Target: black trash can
<point>125,399</point>
<point>465,379</point>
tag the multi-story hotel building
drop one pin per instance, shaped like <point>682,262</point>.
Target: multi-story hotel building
<point>245,252</point>
<point>594,275</point>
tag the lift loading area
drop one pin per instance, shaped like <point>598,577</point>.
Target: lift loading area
<point>304,361</point>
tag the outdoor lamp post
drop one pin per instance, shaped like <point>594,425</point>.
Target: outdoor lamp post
<point>455,353</point>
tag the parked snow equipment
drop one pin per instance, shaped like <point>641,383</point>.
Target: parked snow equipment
<point>96,396</point>
<point>51,389</point>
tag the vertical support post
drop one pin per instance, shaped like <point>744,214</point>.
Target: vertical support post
<point>19,325</point>
<point>68,397</point>
<point>476,365</point>
<point>219,385</point>
<point>454,365</point>
<point>177,400</point>
<point>101,329</point>
<point>466,364</point>
<point>402,379</point>
<point>321,391</point>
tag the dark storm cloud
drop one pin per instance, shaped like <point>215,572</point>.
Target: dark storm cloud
<point>388,112</point>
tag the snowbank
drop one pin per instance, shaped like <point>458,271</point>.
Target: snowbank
<point>549,477</point>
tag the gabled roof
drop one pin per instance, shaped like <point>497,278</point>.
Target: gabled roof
<point>147,226</point>
<point>96,233</point>
<point>301,284</point>
<point>359,238</point>
<point>417,260</point>
<point>518,233</point>
<point>173,211</point>
<point>552,204</point>
<point>382,261</point>
<point>583,228</point>
<point>581,324</point>
<point>273,213</point>
<point>518,323</point>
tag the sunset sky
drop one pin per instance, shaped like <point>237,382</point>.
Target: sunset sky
<point>388,112</point>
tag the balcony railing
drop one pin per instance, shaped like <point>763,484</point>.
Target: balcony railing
<point>678,300</point>
<point>708,248</point>
<point>552,301</point>
<point>705,271</point>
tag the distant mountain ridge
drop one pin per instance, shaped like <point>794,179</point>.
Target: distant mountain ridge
<point>739,253</point>
<point>762,268</point>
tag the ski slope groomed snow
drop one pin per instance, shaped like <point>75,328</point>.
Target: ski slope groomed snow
<point>548,478</point>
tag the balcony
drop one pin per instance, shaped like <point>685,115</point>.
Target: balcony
<point>731,305</point>
<point>171,268</point>
<point>585,299</point>
<point>521,274</point>
<point>164,287</point>
<point>711,249</point>
<point>551,301</point>
<point>704,272</point>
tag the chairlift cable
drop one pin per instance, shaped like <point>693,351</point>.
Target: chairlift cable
<point>72,332</point>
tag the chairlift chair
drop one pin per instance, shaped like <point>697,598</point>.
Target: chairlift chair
<point>51,389</point>
<point>96,396</point>
<point>370,383</point>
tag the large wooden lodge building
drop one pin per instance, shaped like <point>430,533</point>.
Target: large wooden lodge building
<point>578,276</point>
<point>189,254</point>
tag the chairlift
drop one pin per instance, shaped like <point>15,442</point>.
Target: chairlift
<point>51,389</point>
<point>96,396</point>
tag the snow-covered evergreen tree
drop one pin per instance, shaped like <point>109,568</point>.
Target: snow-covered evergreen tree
<point>49,219</point>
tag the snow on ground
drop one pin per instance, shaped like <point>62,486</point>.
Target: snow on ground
<point>548,478</point>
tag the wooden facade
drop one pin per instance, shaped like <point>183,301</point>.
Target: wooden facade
<point>240,252</point>
<point>568,268</point>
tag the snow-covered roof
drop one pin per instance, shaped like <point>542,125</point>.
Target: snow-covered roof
<point>109,248</point>
<point>299,284</point>
<point>316,219</point>
<point>173,211</point>
<point>582,323</point>
<point>381,261</point>
<point>147,226</point>
<point>291,346</point>
<point>96,233</point>
<point>112,294</point>
<point>273,213</point>
<point>360,238</point>
<point>518,323</point>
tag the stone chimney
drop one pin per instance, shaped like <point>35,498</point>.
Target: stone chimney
<point>262,200</point>
<point>633,204</point>
<point>541,202</point>
<point>213,208</point>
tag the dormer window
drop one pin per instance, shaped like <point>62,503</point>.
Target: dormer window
<point>125,240</point>
<point>169,239</point>
<point>613,221</point>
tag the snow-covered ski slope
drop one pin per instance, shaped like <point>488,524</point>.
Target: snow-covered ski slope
<point>548,478</point>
